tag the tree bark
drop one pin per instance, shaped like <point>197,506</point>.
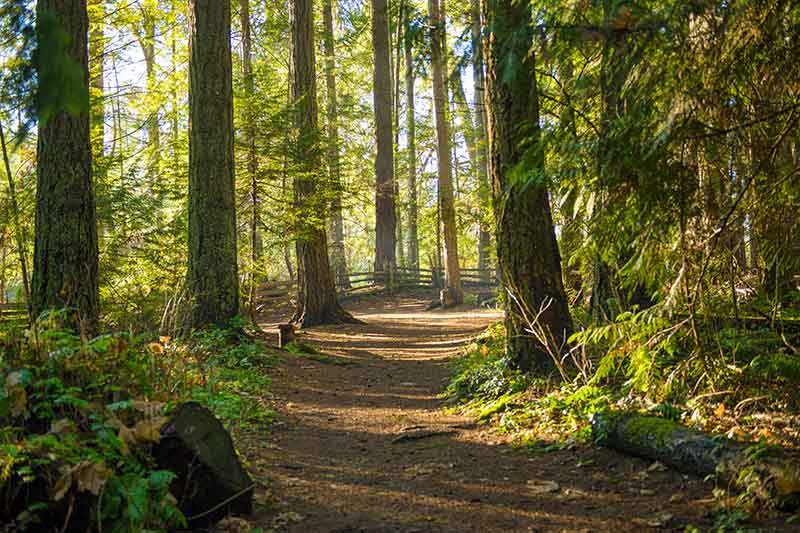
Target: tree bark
<point>413,238</point>
<point>385,220</point>
<point>338,258</point>
<point>212,277</point>
<point>527,251</point>
<point>481,157</point>
<point>452,294</point>
<point>65,272</point>
<point>316,301</point>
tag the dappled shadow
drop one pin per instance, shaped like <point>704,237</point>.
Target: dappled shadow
<point>333,458</point>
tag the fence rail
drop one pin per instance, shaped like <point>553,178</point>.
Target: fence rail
<point>472,280</point>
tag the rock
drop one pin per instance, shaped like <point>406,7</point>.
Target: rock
<point>211,483</point>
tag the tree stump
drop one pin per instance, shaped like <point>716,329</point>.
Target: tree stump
<point>211,483</point>
<point>447,298</point>
<point>285,334</point>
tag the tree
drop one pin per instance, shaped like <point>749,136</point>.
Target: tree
<point>338,259</point>
<point>252,156</point>
<point>452,293</point>
<point>316,300</point>
<point>527,251</point>
<point>484,235</point>
<point>385,216</point>
<point>212,278</point>
<point>65,271</point>
<point>411,148</point>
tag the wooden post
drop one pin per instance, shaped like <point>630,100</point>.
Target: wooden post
<point>285,334</point>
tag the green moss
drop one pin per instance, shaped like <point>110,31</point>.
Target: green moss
<point>644,429</point>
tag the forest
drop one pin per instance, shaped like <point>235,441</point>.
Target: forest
<point>399,266</point>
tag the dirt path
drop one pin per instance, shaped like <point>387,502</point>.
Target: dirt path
<point>337,460</point>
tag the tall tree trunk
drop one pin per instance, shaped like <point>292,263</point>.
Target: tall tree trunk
<point>97,12</point>
<point>399,241</point>
<point>316,301</point>
<point>385,220</point>
<point>338,258</point>
<point>19,232</point>
<point>147,40</point>
<point>212,277</point>
<point>65,271</point>
<point>413,239</point>
<point>484,232</point>
<point>452,293</point>
<point>526,242</point>
<point>250,143</point>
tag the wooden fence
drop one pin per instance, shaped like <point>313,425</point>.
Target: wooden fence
<point>13,313</point>
<point>401,278</point>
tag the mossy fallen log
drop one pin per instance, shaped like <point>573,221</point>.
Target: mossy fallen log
<point>767,475</point>
<point>211,482</point>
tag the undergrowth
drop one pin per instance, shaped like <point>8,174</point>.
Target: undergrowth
<point>739,382</point>
<point>79,417</point>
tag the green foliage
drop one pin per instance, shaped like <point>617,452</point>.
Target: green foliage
<point>640,346</point>
<point>81,414</point>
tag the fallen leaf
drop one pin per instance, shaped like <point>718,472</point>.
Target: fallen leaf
<point>62,426</point>
<point>542,487</point>
<point>149,430</point>
<point>658,520</point>
<point>91,476</point>
<point>657,467</point>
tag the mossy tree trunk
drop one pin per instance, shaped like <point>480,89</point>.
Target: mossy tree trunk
<point>412,257</point>
<point>336,224</point>
<point>385,216</point>
<point>452,293</point>
<point>527,251</point>
<point>316,301</point>
<point>213,270</point>
<point>65,272</point>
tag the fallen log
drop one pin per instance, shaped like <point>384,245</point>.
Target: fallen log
<point>769,476</point>
<point>211,483</point>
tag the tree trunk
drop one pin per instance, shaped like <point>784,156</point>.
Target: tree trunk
<point>526,243</point>
<point>316,300</point>
<point>65,272</point>
<point>252,158</point>
<point>452,293</point>
<point>399,241</point>
<point>97,14</point>
<point>213,271</point>
<point>19,232</point>
<point>481,158</point>
<point>413,238</point>
<point>147,40</point>
<point>338,259</point>
<point>385,220</point>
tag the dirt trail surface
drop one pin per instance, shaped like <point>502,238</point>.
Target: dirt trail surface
<point>366,446</point>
